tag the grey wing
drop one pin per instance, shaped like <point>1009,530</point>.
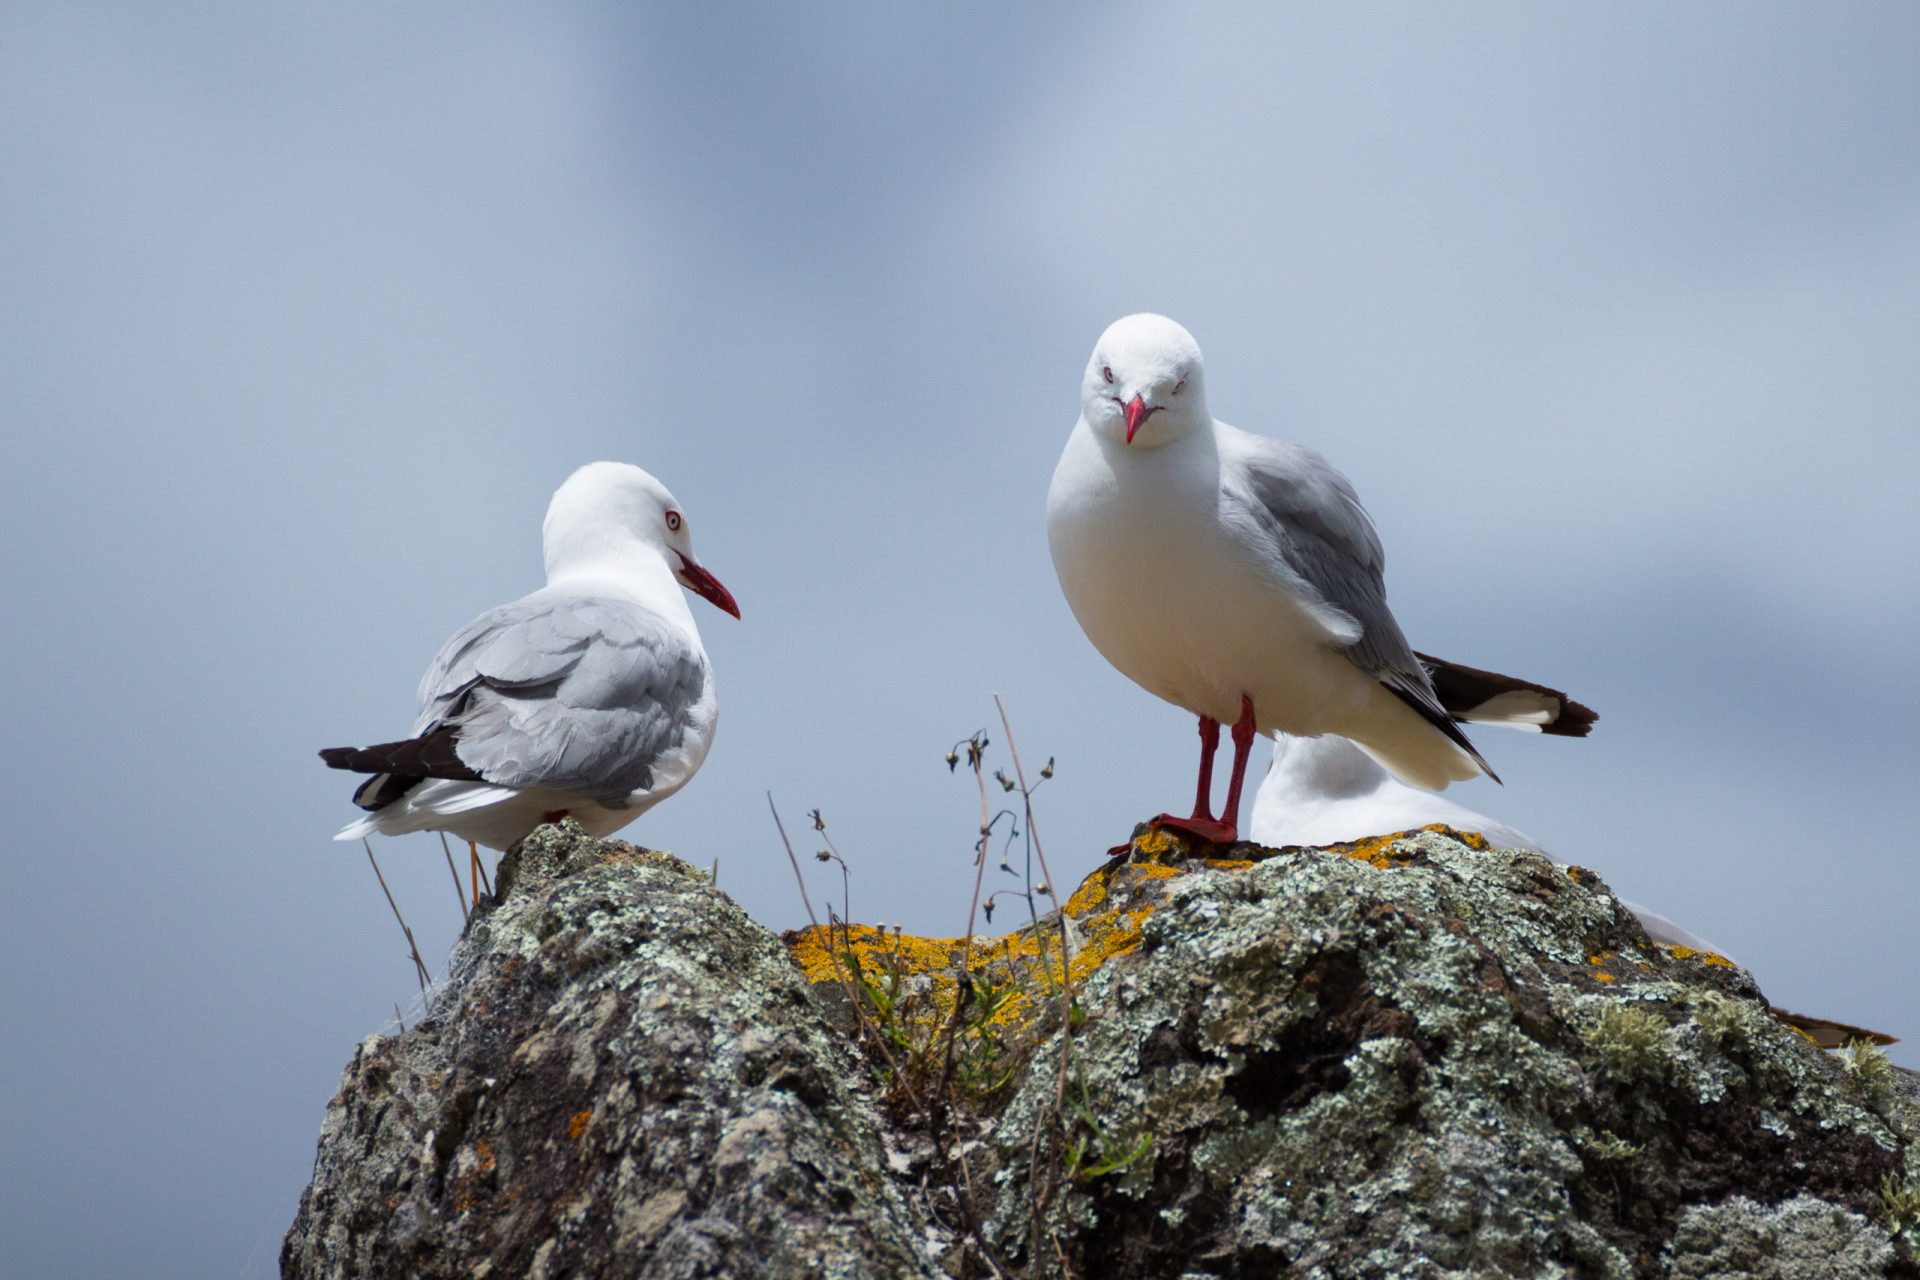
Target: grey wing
<point>1313,522</point>
<point>581,694</point>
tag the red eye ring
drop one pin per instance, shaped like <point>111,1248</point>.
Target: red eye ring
<point>673,521</point>
<point>1106,370</point>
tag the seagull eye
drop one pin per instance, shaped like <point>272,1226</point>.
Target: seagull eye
<point>673,521</point>
<point>1178,385</point>
<point>1106,371</point>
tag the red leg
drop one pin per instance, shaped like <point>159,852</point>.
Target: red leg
<point>473,869</point>
<point>1209,744</point>
<point>1242,748</point>
<point>1203,824</point>
<point>1203,791</point>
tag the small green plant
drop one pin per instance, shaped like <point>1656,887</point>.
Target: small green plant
<point>983,1062</point>
<point>963,1056</point>
<point>1092,1150</point>
<point>948,1027</point>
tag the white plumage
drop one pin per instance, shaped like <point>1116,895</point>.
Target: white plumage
<point>1322,791</point>
<point>591,697</point>
<point>1214,567</point>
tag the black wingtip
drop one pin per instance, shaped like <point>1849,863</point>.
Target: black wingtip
<point>1461,689</point>
<point>1575,720</point>
<point>1439,719</point>
<point>432,755</point>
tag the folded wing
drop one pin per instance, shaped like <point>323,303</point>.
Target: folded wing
<point>581,694</point>
<point>1318,530</point>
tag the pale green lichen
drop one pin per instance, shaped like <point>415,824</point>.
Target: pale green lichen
<point>618,1058</point>
<point>1412,1056</point>
<point>1631,1042</point>
<point>1725,1023</point>
<point>1798,1239</point>
<point>1872,1075</point>
<point>1352,1066</point>
<point>1899,1193</point>
<point>1606,1146</point>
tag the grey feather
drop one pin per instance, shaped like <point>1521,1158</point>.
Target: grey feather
<point>1324,537</point>
<point>581,694</point>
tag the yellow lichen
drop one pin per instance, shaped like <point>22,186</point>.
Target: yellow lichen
<point>1679,952</point>
<point>1158,842</point>
<point>917,979</point>
<point>1091,893</point>
<point>1472,839</point>
<point>578,1125</point>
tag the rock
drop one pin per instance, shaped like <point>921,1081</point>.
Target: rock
<point>1424,1058</point>
<point>623,1076</point>
<point>1798,1237</point>
<point>1434,1059</point>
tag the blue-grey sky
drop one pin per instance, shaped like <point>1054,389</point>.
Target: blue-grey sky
<point>1610,314</point>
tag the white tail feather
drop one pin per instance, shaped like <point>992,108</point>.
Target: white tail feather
<point>1516,709</point>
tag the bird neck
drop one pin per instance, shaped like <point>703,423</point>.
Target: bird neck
<point>634,571</point>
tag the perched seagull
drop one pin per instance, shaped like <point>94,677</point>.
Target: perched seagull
<point>1326,790</point>
<point>591,698</point>
<point>1233,575</point>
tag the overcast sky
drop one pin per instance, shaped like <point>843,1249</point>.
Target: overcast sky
<point>1611,314</point>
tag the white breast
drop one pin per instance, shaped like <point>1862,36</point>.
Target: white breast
<point>1173,599</point>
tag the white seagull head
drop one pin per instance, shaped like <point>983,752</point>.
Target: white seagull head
<point>608,513</point>
<point>1145,383</point>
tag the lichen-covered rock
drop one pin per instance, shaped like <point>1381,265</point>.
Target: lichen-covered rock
<point>1434,1059</point>
<point>1413,1056</point>
<point>623,1076</point>
<point>1798,1237</point>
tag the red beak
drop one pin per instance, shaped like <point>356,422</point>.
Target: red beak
<point>1137,413</point>
<point>705,585</point>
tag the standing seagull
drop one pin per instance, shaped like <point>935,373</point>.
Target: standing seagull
<point>591,698</point>
<point>1233,575</point>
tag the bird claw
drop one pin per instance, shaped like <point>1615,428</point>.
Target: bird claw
<point>1211,830</point>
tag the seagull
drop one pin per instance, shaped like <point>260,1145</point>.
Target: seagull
<point>1325,790</point>
<point>592,698</point>
<point>1233,575</point>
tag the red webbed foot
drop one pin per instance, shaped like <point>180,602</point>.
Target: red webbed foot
<point>1212,830</point>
